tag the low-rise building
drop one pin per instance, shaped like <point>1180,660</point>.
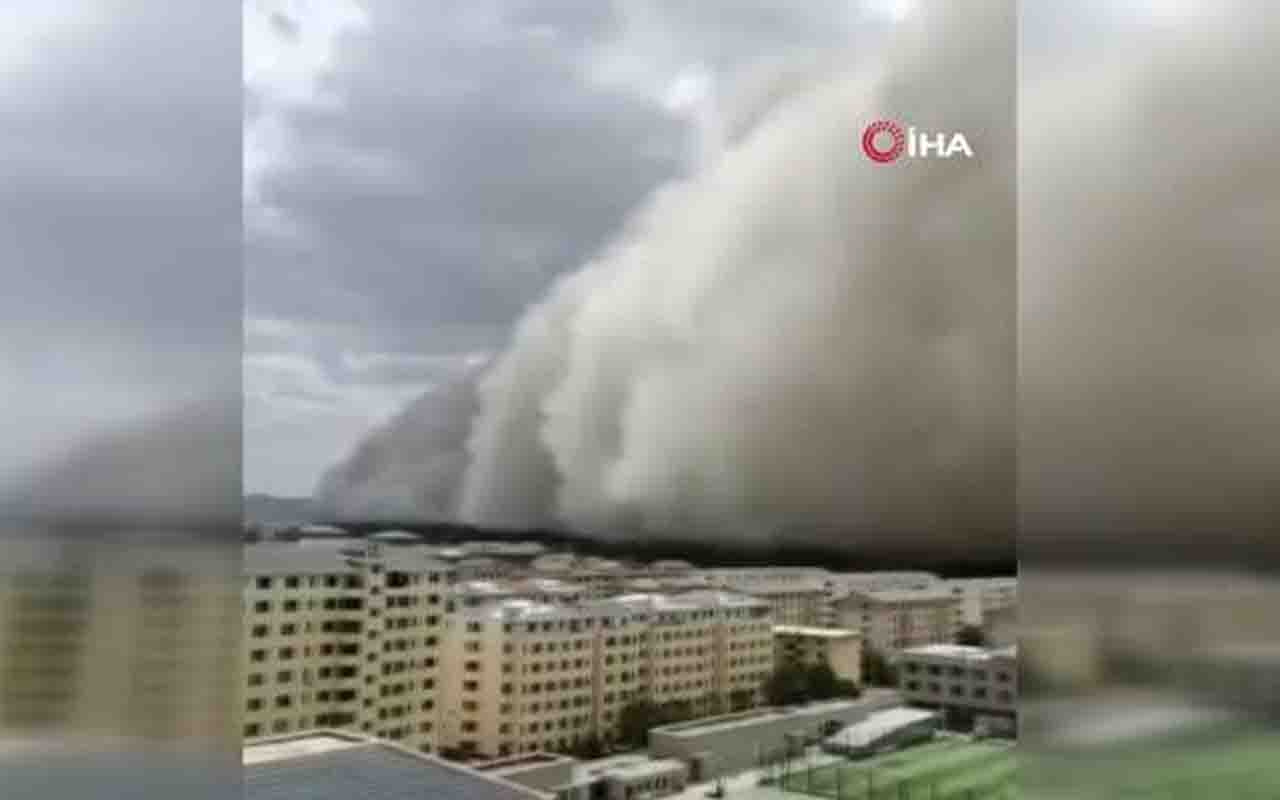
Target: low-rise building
<point>623,777</point>
<point>838,648</point>
<point>965,682</point>
<point>626,778</point>
<point>338,765</point>
<point>735,742</point>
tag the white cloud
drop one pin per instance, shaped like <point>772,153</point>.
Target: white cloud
<point>31,25</point>
<point>286,72</point>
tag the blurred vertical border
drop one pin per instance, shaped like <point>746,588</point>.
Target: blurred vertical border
<point>120,518</point>
<point>1149,399</point>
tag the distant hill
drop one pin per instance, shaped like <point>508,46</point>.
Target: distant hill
<point>269,509</point>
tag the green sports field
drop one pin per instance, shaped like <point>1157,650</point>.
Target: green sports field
<point>1217,764</point>
<point>947,769</point>
<point>1231,763</point>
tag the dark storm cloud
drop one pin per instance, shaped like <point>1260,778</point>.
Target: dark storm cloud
<point>460,176</point>
<point>463,159</point>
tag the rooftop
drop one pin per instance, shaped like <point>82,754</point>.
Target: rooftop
<point>875,726</point>
<point>961,651</point>
<point>701,727</point>
<point>319,557</point>
<point>626,766</point>
<point>821,633</point>
<point>922,594</point>
<point>328,765</point>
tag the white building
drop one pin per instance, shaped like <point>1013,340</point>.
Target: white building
<point>962,681</point>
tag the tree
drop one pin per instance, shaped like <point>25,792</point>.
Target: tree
<point>972,636</point>
<point>847,688</point>
<point>876,669</point>
<point>787,685</point>
<point>820,681</point>
<point>741,699</point>
<point>793,683</point>
<point>588,747</point>
<point>634,722</point>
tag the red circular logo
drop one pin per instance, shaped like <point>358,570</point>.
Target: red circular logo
<point>895,148</point>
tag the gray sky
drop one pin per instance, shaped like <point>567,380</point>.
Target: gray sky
<point>414,180</point>
<point>119,217</point>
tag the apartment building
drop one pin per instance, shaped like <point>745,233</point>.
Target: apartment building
<point>962,681</point>
<point>343,636</point>
<point>122,638</point>
<point>797,595</point>
<point>549,591</point>
<point>705,649</point>
<point>979,598</point>
<point>523,676</point>
<point>793,602</point>
<point>838,648</point>
<point>520,676</point>
<point>891,620</point>
<point>745,578</point>
<point>483,568</point>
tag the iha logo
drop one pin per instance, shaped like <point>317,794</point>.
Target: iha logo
<point>885,141</point>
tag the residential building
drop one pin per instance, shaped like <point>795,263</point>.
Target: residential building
<point>891,620</point>
<point>982,597</point>
<point>339,765</point>
<point>342,637</point>
<point>523,676</point>
<point>120,638</point>
<point>731,743</point>
<point>624,777</point>
<point>746,577</point>
<point>964,682</point>
<point>708,650</point>
<point>838,648</point>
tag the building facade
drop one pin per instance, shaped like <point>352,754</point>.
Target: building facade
<point>343,637</point>
<point>891,620</point>
<point>838,648</point>
<point>522,676</point>
<point>980,598</point>
<point>965,682</point>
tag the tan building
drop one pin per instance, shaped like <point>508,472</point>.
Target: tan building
<point>838,648</point>
<point>891,620</point>
<point>342,637</point>
<point>711,650</point>
<point>119,638</point>
<point>522,676</point>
